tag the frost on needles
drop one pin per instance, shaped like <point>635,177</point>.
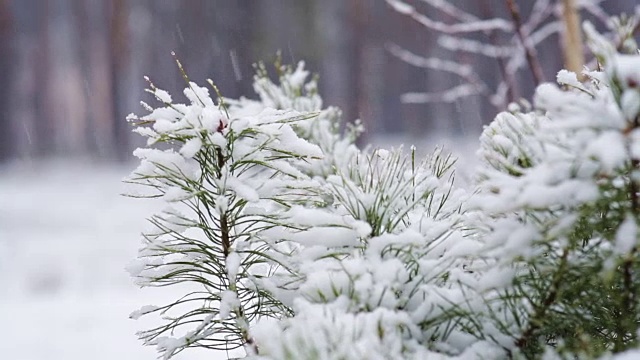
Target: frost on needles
<point>289,242</point>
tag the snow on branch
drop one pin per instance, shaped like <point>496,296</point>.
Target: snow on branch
<point>429,63</point>
<point>466,27</point>
<point>475,47</point>
<point>474,85</point>
<point>541,11</point>
<point>512,53</point>
<point>447,96</point>
<point>544,32</point>
<point>594,8</point>
<point>518,60</point>
<point>451,10</point>
<point>529,48</point>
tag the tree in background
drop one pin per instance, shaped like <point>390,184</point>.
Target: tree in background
<point>511,40</point>
<point>77,66</point>
<point>6,48</point>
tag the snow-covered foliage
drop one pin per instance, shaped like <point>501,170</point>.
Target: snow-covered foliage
<point>294,91</point>
<point>299,245</point>
<point>377,295</point>
<point>560,189</point>
<point>225,177</point>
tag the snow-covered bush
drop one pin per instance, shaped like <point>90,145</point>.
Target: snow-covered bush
<point>560,189</point>
<point>294,244</point>
<point>224,180</point>
<point>231,173</point>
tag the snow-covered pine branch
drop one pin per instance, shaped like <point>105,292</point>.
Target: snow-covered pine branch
<point>223,175</point>
<point>560,188</point>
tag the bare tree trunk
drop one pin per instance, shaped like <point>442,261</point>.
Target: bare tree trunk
<point>371,61</point>
<point>94,64</point>
<point>42,69</point>
<point>24,95</point>
<point>573,53</point>
<point>6,59</point>
<point>119,53</point>
<point>335,36</point>
<point>64,108</point>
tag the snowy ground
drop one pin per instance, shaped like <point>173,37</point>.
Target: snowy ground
<point>65,237</point>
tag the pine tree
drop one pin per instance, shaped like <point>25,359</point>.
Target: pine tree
<point>298,245</point>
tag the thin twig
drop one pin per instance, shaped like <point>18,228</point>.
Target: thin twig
<point>448,96</point>
<point>458,28</point>
<point>530,51</point>
<point>535,322</point>
<point>511,92</point>
<point>474,85</point>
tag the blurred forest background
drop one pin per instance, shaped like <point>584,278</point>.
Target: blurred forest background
<point>71,70</point>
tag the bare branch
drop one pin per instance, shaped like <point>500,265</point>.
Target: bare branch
<point>594,9</point>
<point>467,27</point>
<point>517,61</point>
<point>517,53</point>
<point>542,10</point>
<point>462,70</point>
<point>544,32</point>
<point>510,94</point>
<point>475,47</point>
<point>499,99</point>
<point>447,96</point>
<point>530,51</point>
<point>451,10</point>
<point>429,63</point>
